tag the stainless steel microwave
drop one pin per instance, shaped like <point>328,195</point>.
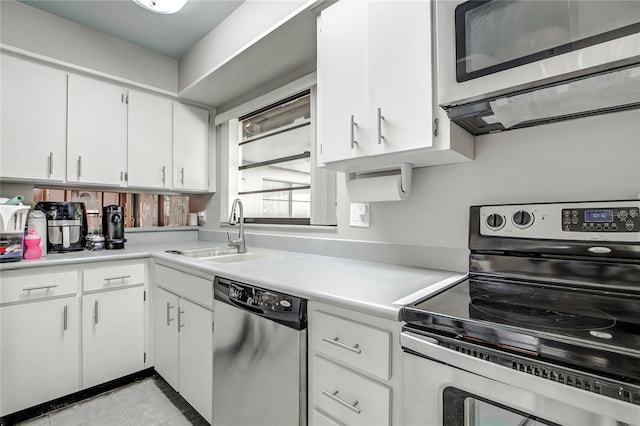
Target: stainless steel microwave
<point>488,48</point>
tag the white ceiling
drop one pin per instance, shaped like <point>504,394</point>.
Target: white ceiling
<point>171,35</point>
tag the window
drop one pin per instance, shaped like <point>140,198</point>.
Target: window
<point>272,164</point>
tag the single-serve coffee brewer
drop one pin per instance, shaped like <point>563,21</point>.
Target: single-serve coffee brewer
<point>66,225</point>
<point>113,227</point>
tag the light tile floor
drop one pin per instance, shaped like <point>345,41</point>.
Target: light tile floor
<point>150,401</point>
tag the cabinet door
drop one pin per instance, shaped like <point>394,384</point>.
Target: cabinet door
<point>400,75</point>
<point>39,352</point>
<point>33,115</point>
<point>97,132</point>
<point>113,335</point>
<point>343,84</point>
<point>196,356</point>
<point>165,336</point>
<point>190,147</point>
<point>149,140</point>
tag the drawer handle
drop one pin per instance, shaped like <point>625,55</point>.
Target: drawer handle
<point>42,287</point>
<point>334,396</point>
<point>124,277</point>
<point>335,341</point>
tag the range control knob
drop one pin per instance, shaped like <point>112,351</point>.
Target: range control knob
<point>495,221</point>
<point>522,219</point>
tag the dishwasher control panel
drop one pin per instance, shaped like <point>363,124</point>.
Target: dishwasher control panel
<point>259,298</point>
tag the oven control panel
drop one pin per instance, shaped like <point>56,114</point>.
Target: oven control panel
<point>589,221</point>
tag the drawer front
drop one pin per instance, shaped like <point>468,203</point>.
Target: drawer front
<point>349,397</point>
<point>319,419</point>
<point>16,287</point>
<point>194,288</point>
<point>113,276</point>
<point>352,343</point>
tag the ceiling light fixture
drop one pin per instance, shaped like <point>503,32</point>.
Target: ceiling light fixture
<point>161,6</point>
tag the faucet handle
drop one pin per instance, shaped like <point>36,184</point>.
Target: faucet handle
<point>229,239</point>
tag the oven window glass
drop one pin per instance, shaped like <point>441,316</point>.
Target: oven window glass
<point>464,408</point>
<point>492,36</point>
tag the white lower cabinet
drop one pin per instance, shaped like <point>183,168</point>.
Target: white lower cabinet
<point>112,335</point>
<point>355,371</point>
<point>183,336</point>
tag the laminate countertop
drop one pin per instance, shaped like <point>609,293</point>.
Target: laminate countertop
<point>375,288</point>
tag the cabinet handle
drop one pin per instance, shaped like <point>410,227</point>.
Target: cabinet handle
<point>95,312</point>
<point>380,118</point>
<point>41,287</point>
<point>182,175</point>
<point>50,163</point>
<point>334,396</point>
<point>163,174</point>
<point>121,175</point>
<point>64,318</point>
<point>180,325</point>
<point>353,131</point>
<point>169,319</point>
<point>79,166</point>
<point>335,341</point>
<point>123,277</point>
<point>436,122</point>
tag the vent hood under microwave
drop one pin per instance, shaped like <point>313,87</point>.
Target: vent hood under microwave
<point>510,64</point>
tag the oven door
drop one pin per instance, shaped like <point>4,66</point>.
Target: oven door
<point>488,48</point>
<point>447,388</point>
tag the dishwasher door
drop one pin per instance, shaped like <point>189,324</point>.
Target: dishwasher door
<point>259,370</point>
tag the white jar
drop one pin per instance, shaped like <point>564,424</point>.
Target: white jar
<point>37,221</point>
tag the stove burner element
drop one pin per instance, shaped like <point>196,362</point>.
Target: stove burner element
<point>538,311</point>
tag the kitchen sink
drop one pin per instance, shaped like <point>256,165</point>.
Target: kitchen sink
<point>241,257</point>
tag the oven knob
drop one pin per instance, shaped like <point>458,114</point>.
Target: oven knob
<point>522,219</point>
<point>495,221</point>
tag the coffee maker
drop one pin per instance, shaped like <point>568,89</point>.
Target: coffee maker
<point>113,227</point>
<point>66,225</point>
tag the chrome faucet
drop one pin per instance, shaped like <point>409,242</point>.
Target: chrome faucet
<point>237,219</point>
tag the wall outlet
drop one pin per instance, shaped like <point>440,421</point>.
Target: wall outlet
<point>359,216</point>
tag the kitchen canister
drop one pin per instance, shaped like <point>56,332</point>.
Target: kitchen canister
<point>37,221</point>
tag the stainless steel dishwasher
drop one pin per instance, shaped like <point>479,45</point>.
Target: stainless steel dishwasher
<point>259,356</point>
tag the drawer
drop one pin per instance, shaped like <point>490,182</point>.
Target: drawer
<point>319,419</point>
<point>114,276</point>
<point>20,286</point>
<point>196,289</point>
<point>352,343</point>
<point>349,397</point>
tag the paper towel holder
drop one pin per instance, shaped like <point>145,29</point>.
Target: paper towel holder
<point>405,173</point>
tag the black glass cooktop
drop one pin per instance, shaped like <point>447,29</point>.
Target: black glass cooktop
<point>592,328</point>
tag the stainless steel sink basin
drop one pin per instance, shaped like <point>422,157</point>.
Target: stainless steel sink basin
<point>241,257</point>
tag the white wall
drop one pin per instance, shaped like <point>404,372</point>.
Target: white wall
<point>594,158</point>
<point>70,44</point>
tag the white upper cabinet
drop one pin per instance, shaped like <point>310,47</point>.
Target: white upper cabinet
<point>190,148</point>
<point>33,116</point>
<point>150,127</point>
<point>97,132</point>
<point>375,88</point>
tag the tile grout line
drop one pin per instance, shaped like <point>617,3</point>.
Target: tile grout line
<point>120,408</point>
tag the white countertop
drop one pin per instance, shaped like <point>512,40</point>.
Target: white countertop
<point>376,288</point>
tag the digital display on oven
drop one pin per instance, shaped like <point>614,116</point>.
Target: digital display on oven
<point>598,216</point>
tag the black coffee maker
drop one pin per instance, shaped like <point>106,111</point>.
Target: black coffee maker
<point>113,227</point>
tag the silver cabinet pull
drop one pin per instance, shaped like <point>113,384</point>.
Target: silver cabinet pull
<point>121,175</point>
<point>50,163</point>
<point>64,318</point>
<point>40,287</point>
<point>335,341</point>
<point>353,132</point>
<point>95,312</point>
<point>79,166</point>
<point>380,118</point>
<point>182,175</point>
<point>169,319</point>
<point>334,396</point>
<point>180,325</point>
<point>123,277</point>
<point>164,169</point>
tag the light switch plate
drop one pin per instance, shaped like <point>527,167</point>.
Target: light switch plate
<point>359,215</point>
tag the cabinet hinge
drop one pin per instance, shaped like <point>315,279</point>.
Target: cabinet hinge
<point>144,295</point>
<point>144,358</point>
<point>435,127</point>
